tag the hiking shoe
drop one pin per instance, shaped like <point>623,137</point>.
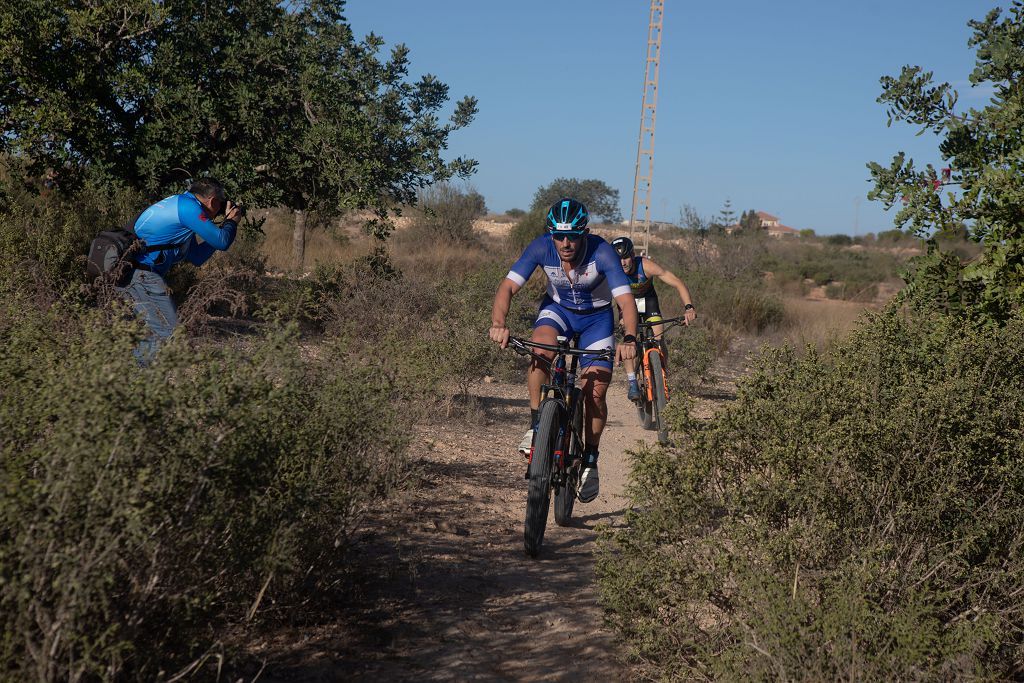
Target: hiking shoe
<point>590,486</point>
<point>526,445</point>
<point>634,394</point>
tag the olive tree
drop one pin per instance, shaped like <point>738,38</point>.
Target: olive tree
<point>281,100</point>
<point>980,183</point>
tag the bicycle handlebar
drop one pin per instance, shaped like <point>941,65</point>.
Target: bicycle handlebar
<point>664,321</point>
<point>524,346</point>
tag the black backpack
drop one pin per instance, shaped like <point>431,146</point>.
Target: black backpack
<point>114,254</point>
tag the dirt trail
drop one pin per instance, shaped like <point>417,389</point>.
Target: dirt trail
<point>448,593</point>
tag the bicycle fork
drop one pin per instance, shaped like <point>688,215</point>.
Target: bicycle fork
<point>648,377</point>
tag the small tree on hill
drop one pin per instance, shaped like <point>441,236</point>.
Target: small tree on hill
<point>749,221</point>
<point>600,199</point>
<point>984,175</point>
<point>727,216</point>
<point>690,219</point>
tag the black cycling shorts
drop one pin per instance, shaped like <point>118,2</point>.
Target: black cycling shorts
<point>647,306</point>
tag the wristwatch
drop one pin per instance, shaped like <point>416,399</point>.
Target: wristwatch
<point>629,339</point>
<point>688,307</point>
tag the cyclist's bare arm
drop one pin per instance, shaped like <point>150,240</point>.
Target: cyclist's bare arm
<point>499,311</point>
<point>627,307</point>
<point>670,279</point>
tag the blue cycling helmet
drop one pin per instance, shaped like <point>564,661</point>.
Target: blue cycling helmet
<point>567,216</point>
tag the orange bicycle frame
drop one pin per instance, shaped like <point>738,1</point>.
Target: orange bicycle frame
<point>647,373</point>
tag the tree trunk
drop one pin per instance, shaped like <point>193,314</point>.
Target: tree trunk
<point>299,238</point>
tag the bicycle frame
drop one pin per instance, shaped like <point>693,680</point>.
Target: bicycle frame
<point>562,388</point>
<point>649,343</point>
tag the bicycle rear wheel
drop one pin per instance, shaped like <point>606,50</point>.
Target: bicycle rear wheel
<point>659,397</point>
<point>538,497</point>
<point>565,493</point>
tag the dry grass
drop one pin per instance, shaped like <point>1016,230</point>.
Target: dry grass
<point>818,322</point>
<point>324,243</point>
<point>344,240</point>
<point>807,321</point>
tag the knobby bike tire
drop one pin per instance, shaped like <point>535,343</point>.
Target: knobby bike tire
<point>658,400</point>
<point>565,493</point>
<point>538,497</point>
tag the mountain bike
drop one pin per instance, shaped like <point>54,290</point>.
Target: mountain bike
<point>556,461</point>
<point>652,378</point>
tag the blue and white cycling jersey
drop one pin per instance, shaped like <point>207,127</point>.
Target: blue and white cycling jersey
<point>590,286</point>
<point>178,220</point>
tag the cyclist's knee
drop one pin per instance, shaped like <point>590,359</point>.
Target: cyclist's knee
<point>595,384</point>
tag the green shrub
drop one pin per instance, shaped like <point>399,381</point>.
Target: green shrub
<point>53,231</point>
<point>793,262</point>
<point>691,354</point>
<point>742,304</point>
<point>528,227</point>
<point>145,509</point>
<point>853,516</point>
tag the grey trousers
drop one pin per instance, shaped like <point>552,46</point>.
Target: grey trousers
<point>152,302</point>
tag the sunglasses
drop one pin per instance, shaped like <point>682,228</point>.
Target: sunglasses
<point>558,237</point>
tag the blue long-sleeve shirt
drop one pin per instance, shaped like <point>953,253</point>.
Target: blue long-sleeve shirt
<point>178,220</point>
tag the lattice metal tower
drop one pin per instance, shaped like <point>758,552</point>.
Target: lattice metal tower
<point>648,116</point>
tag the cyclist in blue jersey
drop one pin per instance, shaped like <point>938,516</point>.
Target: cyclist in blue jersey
<point>584,277</point>
<point>641,271</point>
<point>180,221</point>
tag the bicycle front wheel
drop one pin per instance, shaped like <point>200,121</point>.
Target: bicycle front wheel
<point>565,493</point>
<point>538,497</point>
<point>659,398</point>
<point>645,408</point>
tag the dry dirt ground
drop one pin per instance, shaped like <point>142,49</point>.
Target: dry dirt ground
<point>446,592</point>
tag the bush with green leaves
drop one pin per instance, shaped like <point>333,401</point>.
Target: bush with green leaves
<point>528,227</point>
<point>858,515</point>
<point>53,231</point>
<point>691,354</point>
<point>984,179</point>
<point>859,271</point>
<point>145,509</point>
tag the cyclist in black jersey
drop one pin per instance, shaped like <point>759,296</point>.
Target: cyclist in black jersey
<point>641,271</point>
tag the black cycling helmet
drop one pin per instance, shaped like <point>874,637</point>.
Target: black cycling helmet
<point>623,246</point>
<point>567,216</point>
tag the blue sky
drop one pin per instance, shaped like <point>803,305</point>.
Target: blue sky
<point>771,105</point>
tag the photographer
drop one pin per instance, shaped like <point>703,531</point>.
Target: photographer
<point>176,221</point>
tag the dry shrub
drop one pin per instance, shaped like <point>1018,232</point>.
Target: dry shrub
<point>857,514</point>
<point>147,510</point>
<point>222,296</point>
<point>818,323</point>
<point>327,241</point>
<point>428,333</point>
<point>445,213</point>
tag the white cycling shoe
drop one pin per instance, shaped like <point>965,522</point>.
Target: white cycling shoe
<point>526,445</point>
<point>590,485</point>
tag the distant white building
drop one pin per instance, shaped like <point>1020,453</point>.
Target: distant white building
<point>774,228</point>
